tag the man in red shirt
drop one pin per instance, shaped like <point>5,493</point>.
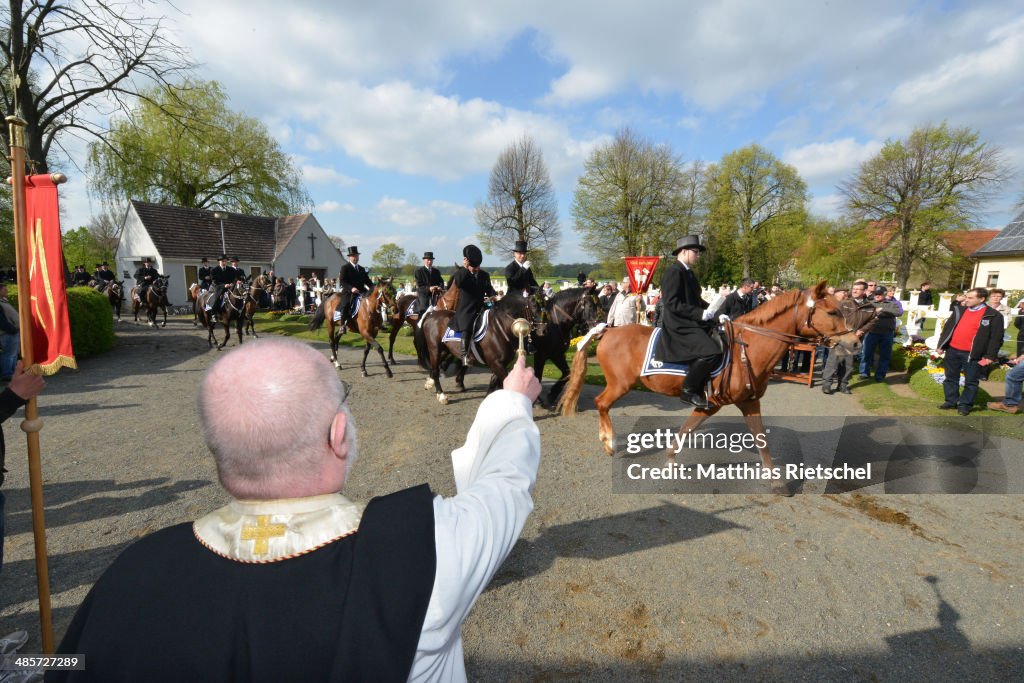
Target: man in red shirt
<point>971,339</point>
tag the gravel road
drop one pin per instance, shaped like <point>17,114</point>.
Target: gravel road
<point>602,586</point>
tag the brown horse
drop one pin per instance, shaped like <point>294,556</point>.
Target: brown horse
<point>156,299</point>
<point>759,340</point>
<point>374,309</point>
<point>496,349</point>
<point>231,311</point>
<point>114,291</point>
<point>445,302</point>
<point>261,285</point>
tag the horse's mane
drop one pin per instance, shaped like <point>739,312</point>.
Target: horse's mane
<point>511,301</point>
<point>770,310</point>
<point>566,294</point>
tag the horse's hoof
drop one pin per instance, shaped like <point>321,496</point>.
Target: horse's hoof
<point>429,384</point>
<point>392,361</point>
<point>365,373</point>
<point>781,488</point>
<point>390,374</point>
<point>337,365</point>
<point>460,387</point>
<point>442,399</point>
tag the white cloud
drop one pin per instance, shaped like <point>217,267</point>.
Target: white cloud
<point>828,162</point>
<point>403,213</point>
<point>323,175</point>
<point>330,206</point>
<point>829,205</point>
<point>452,209</point>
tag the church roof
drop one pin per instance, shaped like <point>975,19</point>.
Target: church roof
<point>182,233</point>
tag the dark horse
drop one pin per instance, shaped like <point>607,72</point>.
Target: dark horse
<point>232,310</point>
<point>374,308</point>
<point>496,350</point>
<point>566,311</point>
<point>156,299</point>
<point>759,340</point>
<point>261,285</point>
<point>115,294</point>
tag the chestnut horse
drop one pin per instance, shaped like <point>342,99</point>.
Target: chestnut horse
<point>156,299</point>
<point>759,340</point>
<point>367,321</point>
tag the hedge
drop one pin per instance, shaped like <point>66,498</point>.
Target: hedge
<point>92,322</point>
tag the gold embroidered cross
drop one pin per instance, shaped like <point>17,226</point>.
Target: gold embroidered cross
<point>261,532</point>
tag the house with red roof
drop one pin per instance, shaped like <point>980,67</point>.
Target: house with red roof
<point>999,262</point>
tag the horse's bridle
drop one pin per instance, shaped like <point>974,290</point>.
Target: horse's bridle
<point>811,304</point>
<point>581,302</point>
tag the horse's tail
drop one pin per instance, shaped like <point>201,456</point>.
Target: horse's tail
<point>574,385</point>
<point>318,317</point>
<point>419,340</point>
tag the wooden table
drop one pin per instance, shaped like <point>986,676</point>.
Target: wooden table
<point>802,377</point>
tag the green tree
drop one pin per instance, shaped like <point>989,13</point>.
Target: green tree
<point>832,250</point>
<point>934,181</point>
<point>68,57</point>
<point>182,145</point>
<point>388,259</point>
<point>756,212</point>
<point>82,247</point>
<point>634,199</point>
<point>521,203</point>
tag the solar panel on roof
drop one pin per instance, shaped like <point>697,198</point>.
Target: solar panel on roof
<point>1010,238</point>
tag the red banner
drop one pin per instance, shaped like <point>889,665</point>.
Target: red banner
<point>51,331</point>
<point>641,271</point>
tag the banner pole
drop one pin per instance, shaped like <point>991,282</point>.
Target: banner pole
<point>32,424</point>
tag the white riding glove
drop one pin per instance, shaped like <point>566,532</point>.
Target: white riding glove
<point>526,264</point>
<point>723,318</point>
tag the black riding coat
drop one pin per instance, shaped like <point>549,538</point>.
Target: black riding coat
<point>145,276</point>
<point>79,279</point>
<point>425,279</point>
<point>205,277</point>
<point>222,275</point>
<point>352,275</point>
<point>473,287</point>
<point>684,338</point>
<point>519,278</point>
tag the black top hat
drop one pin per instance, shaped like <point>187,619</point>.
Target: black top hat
<point>353,251</point>
<point>146,259</point>
<point>234,258</point>
<point>689,242</point>
<point>429,255</point>
<point>473,255</point>
<point>204,260</point>
<point>520,246</point>
<point>104,264</point>
<point>222,257</point>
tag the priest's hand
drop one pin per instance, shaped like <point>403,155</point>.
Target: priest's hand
<point>522,380</point>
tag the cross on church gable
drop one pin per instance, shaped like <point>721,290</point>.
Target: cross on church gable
<point>312,245</point>
<point>261,533</point>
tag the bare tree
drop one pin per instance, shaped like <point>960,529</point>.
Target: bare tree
<point>521,202</point>
<point>76,62</point>
<point>106,227</point>
<point>935,181</point>
<point>338,242</point>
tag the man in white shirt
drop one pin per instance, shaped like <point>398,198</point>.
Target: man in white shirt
<point>293,581</point>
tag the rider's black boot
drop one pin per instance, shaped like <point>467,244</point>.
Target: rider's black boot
<point>696,379</point>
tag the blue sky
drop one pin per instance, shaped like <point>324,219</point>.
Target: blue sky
<point>397,110</point>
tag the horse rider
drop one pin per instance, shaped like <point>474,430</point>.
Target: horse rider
<point>80,278</point>
<point>517,273</point>
<point>684,338</point>
<point>474,284</point>
<point>239,272</point>
<point>144,277</point>
<point>428,283</point>
<point>104,277</point>
<point>353,279</point>
<point>203,275</point>
<point>221,275</point>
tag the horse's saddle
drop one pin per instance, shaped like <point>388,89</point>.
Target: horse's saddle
<point>356,300</point>
<point>479,329</point>
<point>654,366</point>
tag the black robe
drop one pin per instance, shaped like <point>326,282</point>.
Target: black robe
<point>684,338</point>
<point>473,287</point>
<point>169,609</point>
